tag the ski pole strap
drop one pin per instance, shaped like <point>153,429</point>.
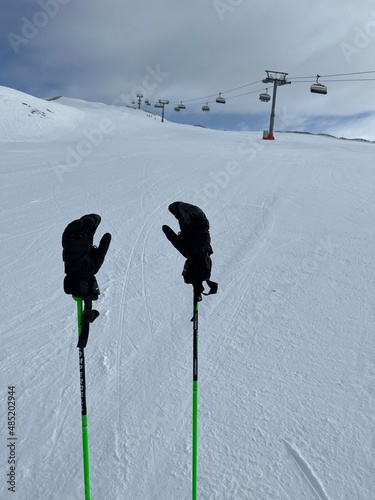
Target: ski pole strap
<point>198,289</point>
<point>88,316</point>
<point>212,286</point>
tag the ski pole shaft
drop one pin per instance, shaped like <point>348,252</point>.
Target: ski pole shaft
<point>195,399</point>
<point>85,436</point>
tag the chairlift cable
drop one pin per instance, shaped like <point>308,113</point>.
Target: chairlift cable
<point>232,97</point>
<point>246,93</point>
<point>348,74</point>
<point>225,92</point>
<point>329,76</point>
<point>241,87</point>
<point>353,80</point>
<point>342,80</point>
<point>295,79</point>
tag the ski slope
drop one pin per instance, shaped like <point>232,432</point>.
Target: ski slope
<point>286,348</point>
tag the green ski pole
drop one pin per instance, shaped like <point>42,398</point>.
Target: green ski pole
<point>85,435</point>
<point>82,260</point>
<point>195,397</point>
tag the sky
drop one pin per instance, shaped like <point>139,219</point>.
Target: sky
<point>191,51</point>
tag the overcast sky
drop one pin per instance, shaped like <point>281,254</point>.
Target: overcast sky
<point>187,50</point>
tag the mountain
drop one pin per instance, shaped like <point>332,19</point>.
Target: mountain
<point>286,347</point>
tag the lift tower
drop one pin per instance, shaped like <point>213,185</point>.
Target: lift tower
<point>278,78</point>
<point>160,104</point>
<point>139,100</point>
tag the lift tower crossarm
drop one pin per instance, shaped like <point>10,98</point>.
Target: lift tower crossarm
<point>279,76</point>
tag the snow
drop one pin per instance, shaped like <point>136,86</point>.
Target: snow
<point>286,347</point>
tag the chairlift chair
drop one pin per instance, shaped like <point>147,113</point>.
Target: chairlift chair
<point>206,107</point>
<point>220,99</point>
<point>147,102</point>
<point>318,88</point>
<point>264,96</point>
<point>182,106</point>
<point>177,108</point>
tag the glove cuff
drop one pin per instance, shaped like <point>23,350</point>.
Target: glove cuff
<point>197,269</point>
<point>81,286</point>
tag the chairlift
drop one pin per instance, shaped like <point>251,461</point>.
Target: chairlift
<point>147,102</point>
<point>264,96</point>
<point>182,106</point>
<point>318,88</point>
<point>220,99</point>
<point>206,107</point>
<point>177,108</point>
<point>159,106</point>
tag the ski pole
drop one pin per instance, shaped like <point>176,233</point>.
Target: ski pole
<point>194,243</point>
<point>195,397</point>
<point>82,260</point>
<point>85,436</point>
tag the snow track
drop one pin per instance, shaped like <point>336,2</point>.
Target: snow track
<point>306,472</point>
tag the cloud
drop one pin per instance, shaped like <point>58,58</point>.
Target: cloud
<point>101,50</point>
<point>352,127</point>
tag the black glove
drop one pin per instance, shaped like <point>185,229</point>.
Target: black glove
<point>193,242</point>
<point>82,259</point>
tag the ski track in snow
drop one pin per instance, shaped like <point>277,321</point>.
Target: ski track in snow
<point>137,254</point>
<point>122,315</point>
<point>306,472</point>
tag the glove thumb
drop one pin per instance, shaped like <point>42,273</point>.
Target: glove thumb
<point>170,234</point>
<point>176,241</point>
<point>101,252</point>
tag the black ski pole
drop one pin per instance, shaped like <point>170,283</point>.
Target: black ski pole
<point>82,377</point>
<point>195,397</point>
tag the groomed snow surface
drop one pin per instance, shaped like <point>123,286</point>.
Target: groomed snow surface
<point>286,348</point>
